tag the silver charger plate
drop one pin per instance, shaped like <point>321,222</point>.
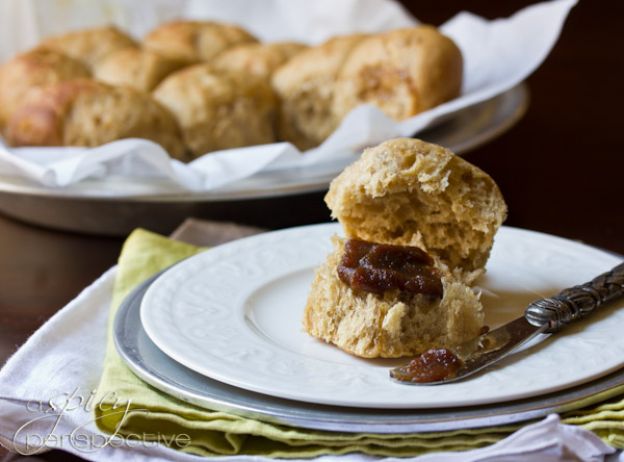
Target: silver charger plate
<point>163,373</point>
<point>88,207</point>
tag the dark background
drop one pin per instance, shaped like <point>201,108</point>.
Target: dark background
<point>560,169</point>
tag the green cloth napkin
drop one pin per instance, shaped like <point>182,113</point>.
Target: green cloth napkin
<point>129,407</point>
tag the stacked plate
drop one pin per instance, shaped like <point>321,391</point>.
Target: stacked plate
<point>222,330</point>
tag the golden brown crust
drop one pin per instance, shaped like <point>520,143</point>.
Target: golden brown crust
<point>191,42</point>
<point>374,326</point>
<point>408,192</point>
<point>90,45</point>
<point>135,67</point>
<point>219,110</point>
<point>30,70</point>
<point>84,112</point>
<point>305,86</point>
<point>259,59</point>
<point>403,72</point>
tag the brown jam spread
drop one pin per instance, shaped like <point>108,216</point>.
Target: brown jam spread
<point>378,268</point>
<point>433,365</point>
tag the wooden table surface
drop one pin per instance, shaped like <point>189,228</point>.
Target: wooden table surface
<point>561,170</point>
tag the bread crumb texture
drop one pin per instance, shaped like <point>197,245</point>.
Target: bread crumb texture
<point>388,326</point>
<point>410,193</point>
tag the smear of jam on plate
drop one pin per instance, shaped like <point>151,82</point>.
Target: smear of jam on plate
<point>378,268</point>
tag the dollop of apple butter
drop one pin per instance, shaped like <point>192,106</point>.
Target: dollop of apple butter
<point>378,268</point>
<point>433,365</point>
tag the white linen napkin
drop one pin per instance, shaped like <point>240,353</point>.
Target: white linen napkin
<point>497,56</point>
<point>64,358</point>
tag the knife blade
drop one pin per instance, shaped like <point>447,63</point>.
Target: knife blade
<point>547,315</point>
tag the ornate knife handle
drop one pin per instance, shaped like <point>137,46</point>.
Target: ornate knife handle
<point>577,302</point>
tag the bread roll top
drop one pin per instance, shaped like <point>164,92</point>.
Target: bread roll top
<point>403,72</point>
<point>258,59</point>
<point>90,45</point>
<point>409,192</point>
<point>191,42</point>
<point>135,67</point>
<point>32,69</point>
<point>84,112</point>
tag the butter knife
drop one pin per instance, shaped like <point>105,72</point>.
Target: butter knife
<point>545,316</point>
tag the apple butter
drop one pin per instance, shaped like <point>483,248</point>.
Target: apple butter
<point>433,365</point>
<point>378,268</point>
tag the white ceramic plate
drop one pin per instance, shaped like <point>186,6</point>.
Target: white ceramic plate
<point>234,314</point>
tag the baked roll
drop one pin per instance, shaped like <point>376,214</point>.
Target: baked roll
<point>135,67</point>
<point>191,42</point>
<point>305,87</point>
<point>419,225</point>
<point>402,72</point>
<point>408,192</point>
<point>258,59</point>
<point>35,68</point>
<point>90,45</point>
<point>219,110</point>
<point>88,113</point>
<point>389,324</point>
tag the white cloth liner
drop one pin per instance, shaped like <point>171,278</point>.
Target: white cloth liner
<point>67,354</point>
<point>497,54</point>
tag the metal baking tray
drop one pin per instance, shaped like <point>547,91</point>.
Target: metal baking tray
<point>162,372</point>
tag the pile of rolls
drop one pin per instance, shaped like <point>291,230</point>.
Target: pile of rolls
<point>199,86</point>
